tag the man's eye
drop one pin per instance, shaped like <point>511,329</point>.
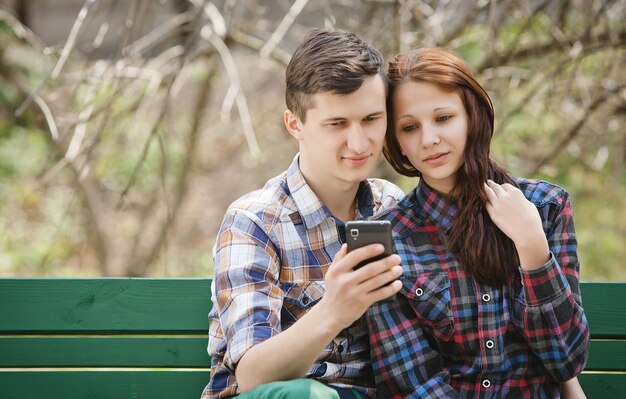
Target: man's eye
<point>371,118</point>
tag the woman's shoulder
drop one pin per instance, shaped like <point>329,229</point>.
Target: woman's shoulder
<point>541,192</point>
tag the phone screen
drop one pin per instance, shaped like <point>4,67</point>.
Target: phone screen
<point>362,233</point>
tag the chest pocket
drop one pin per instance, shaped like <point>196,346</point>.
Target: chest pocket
<point>299,298</point>
<point>429,295</point>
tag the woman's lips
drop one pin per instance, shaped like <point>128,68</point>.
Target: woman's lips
<point>436,158</point>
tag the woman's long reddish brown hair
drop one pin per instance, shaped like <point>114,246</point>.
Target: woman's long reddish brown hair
<point>481,248</point>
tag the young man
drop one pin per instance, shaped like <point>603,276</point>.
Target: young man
<point>287,319</point>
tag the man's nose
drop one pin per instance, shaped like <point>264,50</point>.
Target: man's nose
<point>357,139</point>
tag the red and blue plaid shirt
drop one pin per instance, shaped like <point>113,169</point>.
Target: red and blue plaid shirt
<point>271,255</point>
<point>445,335</point>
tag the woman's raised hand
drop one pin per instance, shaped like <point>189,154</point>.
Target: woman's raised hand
<point>519,219</point>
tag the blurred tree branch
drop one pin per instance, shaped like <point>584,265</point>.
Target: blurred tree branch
<point>576,128</point>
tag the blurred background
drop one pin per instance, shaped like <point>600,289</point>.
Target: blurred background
<point>127,127</point>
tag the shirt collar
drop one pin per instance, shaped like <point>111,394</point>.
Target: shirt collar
<point>311,208</point>
<point>365,201</point>
<point>435,206</point>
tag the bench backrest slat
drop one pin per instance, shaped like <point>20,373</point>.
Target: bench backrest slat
<point>103,384</point>
<point>603,386</point>
<point>140,351</point>
<point>607,355</point>
<point>104,305</point>
<point>605,308</point>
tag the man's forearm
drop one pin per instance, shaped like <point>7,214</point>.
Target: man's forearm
<point>289,354</point>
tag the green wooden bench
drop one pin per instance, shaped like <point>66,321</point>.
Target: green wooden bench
<point>146,338</point>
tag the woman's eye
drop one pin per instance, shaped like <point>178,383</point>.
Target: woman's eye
<point>408,128</point>
<point>443,118</point>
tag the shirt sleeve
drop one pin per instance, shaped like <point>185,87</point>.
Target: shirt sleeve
<point>549,309</point>
<point>248,298</point>
<point>404,364</point>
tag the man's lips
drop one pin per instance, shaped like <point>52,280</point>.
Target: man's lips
<point>360,158</point>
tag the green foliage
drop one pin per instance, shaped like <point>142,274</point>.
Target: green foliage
<point>32,147</point>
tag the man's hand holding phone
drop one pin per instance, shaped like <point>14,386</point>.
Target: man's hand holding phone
<point>360,277</point>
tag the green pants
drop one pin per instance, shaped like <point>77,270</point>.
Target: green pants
<point>303,388</point>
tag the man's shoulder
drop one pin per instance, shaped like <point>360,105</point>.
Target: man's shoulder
<point>386,194</point>
<point>271,200</point>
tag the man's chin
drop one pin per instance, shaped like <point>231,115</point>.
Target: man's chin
<point>357,177</point>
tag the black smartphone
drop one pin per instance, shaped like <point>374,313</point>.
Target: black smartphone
<point>362,233</point>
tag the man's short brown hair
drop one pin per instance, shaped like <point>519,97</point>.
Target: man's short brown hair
<point>329,62</point>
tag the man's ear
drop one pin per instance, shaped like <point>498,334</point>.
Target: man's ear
<point>293,124</point>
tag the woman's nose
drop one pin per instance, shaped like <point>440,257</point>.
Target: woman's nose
<point>430,136</point>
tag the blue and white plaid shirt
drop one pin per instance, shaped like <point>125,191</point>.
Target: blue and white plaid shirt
<point>272,252</point>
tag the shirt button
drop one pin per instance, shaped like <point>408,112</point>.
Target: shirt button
<point>486,297</point>
<point>340,348</point>
<point>419,292</point>
<point>305,300</point>
<point>489,344</point>
<point>486,383</point>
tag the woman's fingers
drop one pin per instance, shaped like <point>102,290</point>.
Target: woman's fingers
<point>499,190</point>
<point>491,195</point>
<point>508,187</point>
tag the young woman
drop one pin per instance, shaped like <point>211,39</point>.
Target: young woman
<point>490,305</point>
